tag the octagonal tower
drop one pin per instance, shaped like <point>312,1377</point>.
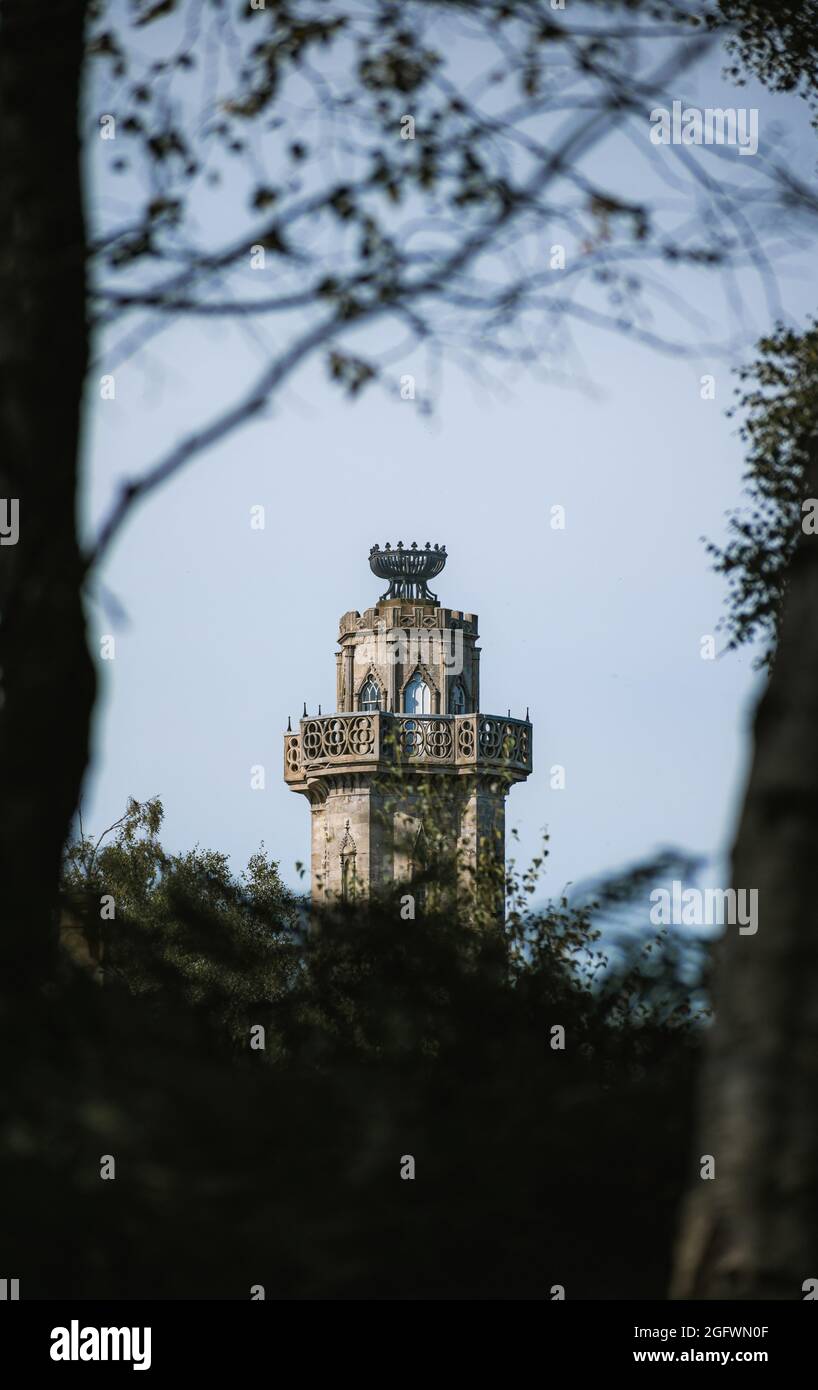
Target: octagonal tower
<point>408,778</point>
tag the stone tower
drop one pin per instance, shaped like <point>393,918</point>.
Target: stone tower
<point>407,776</point>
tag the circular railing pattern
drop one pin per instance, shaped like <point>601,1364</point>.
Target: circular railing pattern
<point>503,740</point>
<point>425,738</point>
<point>338,737</point>
<point>474,739</point>
<point>465,739</point>
<point>293,753</point>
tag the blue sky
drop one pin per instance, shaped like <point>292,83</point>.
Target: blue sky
<point>596,628</point>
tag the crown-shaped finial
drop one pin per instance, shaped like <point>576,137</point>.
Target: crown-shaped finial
<point>408,568</point>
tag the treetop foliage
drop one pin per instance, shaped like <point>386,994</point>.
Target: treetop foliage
<point>777,404</point>
<point>259,1080</point>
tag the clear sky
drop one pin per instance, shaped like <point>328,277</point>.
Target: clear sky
<point>597,627</point>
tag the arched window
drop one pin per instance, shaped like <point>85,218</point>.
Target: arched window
<point>419,868</point>
<point>349,877</point>
<point>370,696</point>
<point>417,697</point>
<point>457,699</point>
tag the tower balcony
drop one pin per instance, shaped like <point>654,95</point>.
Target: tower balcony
<point>359,742</point>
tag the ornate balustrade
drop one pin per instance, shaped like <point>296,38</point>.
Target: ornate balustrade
<point>429,740</point>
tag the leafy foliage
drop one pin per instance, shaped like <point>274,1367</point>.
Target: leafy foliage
<point>383,1037</point>
<point>779,405</point>
<point>774,43</point>
<point>185,927</point>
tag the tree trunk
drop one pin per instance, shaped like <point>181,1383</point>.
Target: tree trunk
<point>753,1232</point>
<point>47,674</point>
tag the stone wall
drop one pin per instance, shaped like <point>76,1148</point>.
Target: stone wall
<point>390,642</point>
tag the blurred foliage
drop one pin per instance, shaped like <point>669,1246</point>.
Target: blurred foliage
<point>774,43</point>
<point>779,405</point>
<point>383,1037</point>
<point>396,164</point>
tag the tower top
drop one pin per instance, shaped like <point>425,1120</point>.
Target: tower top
<point>408,568</point>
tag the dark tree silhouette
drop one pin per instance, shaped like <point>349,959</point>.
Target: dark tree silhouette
<point>753,1233</point>
<point>259,1087</point>
<point>411,174</point>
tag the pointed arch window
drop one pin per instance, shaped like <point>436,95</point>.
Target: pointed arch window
<point>418,868</point>
<point>369,699</point>
<point>417,697</point>
<point>457,699</point>
<point>349,876</point>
